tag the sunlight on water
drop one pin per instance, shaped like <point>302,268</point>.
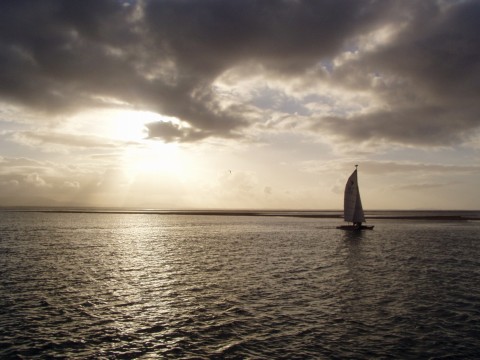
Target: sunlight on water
<point>186,286</point>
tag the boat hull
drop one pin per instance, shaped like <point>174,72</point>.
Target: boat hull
<point>355,228</point>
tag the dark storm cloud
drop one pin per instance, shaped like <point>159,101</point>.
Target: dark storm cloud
<point>206,37</point>
<point>429,125</point>
<point>164,56</point>
<point>170,132</point>
<point>434,67</point>
<point>54,55</point>
<point>439,51</point>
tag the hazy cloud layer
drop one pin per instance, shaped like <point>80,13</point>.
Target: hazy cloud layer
<point>50,141</point>
<point>417,62</point>
<point>28,182</point>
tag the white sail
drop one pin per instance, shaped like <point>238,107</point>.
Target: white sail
<point>352,206</point>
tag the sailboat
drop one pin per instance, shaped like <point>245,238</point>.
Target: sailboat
<point>352,206</point>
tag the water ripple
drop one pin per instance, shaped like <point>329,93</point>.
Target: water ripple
<point>140,286</point>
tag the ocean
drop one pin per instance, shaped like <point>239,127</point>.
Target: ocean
<point>113,285</point>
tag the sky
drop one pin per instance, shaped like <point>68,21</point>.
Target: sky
<point>239,104</point>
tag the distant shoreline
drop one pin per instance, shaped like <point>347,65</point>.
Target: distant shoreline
<point>313,214</point>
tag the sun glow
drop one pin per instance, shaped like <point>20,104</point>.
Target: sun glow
<point>129,125</point>
<point>142,156</point>
<point>115,124</point>
<point>128,129</point>
<point>137,170</point>
<point>160,175</point>
<point>156,158</point>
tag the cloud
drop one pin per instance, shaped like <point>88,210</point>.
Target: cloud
<point>209,37</point>
<point>395,167</point>
<point>51,140</point>
<point>421,126</point>
<point>440,55</point>
<point>385,168</point>
<point>45,183</point>
<point>171,132</point>
<point>422,187</point>
<point>416,63</point>
<point>427,77</point>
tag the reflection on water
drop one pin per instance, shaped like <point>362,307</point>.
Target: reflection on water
<point>123,286</point>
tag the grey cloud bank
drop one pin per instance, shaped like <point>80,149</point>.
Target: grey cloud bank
<point>165,56</point>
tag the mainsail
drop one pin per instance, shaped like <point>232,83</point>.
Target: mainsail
<point>352,206</point>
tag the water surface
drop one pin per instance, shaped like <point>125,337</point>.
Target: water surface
<point>81,285</point>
